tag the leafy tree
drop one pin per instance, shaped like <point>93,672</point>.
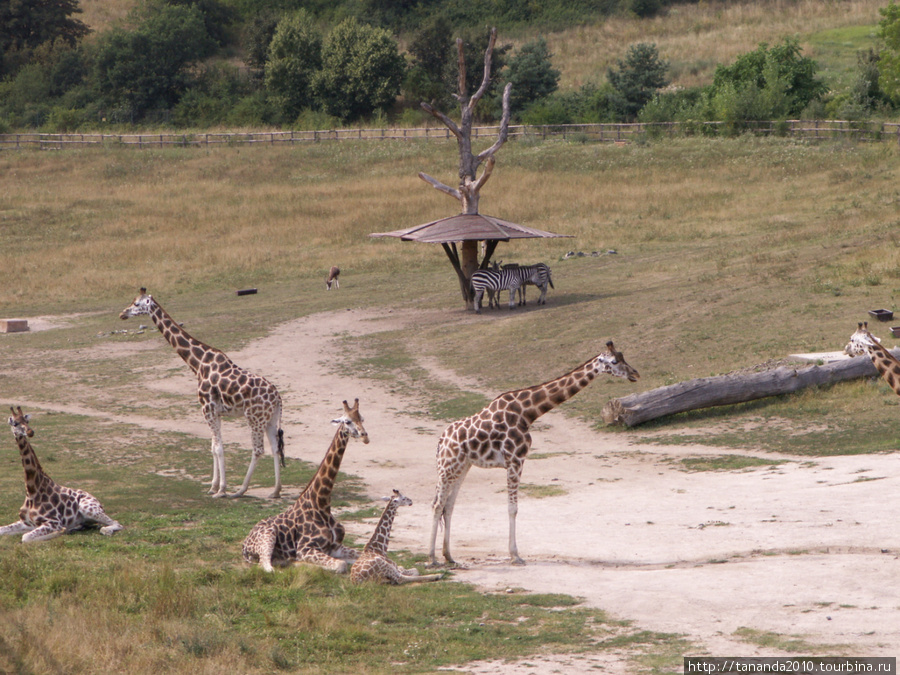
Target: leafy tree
<point>637,78</point>
<point>778,73</point>
<point>257,36</point>
<point>431,72</point>
<point>218,17</point>
<point>889,59</point>
<point>148,67</point>
<point>295,57</point>
<point>532,75</point>
<point>361,71</point>
<point>27,24</point>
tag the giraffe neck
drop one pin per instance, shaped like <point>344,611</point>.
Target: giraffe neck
<point>35,478</point>
<point>886,364</point>
<point>318,492</point>
<point>188,348</point>
<point>382,535</point>
<point>545,397</point>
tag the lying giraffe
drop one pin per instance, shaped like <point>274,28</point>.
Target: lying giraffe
<point>373,564</point>
<point>888,366</point>
<point>50,509</point>
<point>497,437</point>
<point>223,388</point>
<point>307,532</point>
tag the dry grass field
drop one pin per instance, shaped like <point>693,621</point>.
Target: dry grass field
<point>714,255</point>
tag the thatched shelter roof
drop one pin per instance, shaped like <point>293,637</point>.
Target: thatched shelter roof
<point>467,227</point>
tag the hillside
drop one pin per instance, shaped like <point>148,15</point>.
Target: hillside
<point>208,64</point>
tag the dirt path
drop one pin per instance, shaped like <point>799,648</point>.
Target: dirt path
<point>807,550</point>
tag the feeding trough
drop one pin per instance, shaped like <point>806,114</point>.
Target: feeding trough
<point>881,314</point>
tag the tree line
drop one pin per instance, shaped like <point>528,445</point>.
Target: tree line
<point>316,64</point>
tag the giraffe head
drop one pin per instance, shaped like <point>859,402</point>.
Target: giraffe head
<point>143,304</point>
<point>861,340</point>
<point>19,423</point>
<point>353,421</point>
<point>612,362</point>
<point>398,499</point>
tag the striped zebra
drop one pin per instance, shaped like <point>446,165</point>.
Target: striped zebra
<point>536,275</point>
<point>540,278</point>
<point>510,279</point>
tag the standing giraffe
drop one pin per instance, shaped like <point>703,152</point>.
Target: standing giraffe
<point>50,509</point>
<point>863,342</point>
<point>373,564</point>
<point>497,437</point>
<point>307,532</point>
<point>223,388</point>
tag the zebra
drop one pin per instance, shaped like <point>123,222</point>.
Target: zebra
<point>540,278</point>
<point>536,275</point>
<point>510,279</point>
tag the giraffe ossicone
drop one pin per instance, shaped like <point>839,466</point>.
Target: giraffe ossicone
<point>498,437</point>
<point>50,509</point>
<point>223,388</point>
<point>373,564</point>
<point>307,532</point>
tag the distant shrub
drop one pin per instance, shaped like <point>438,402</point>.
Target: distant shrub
<point>293,61</point>
<point>361,71</point>
<point>637,78</point>
<point>63,120</point>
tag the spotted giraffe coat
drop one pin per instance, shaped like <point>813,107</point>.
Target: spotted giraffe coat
<point>51,509</point>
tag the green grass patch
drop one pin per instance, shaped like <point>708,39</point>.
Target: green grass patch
<point>724,463</point>
<point>792,644</point>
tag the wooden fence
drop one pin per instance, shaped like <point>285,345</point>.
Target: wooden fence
<point>810,130</point>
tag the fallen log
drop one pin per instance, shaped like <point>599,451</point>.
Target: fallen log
<point>708,392</point>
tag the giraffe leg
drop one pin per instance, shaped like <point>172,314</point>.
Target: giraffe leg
<point>322,559</point>
<point>448,514</point>
<point>416,578</point>
<point>513,475</point>
<point>45,532</point>
<point>259,449</point>
<point>20,526</point>
<point>217,487</point>
<point>345,553</point>
<point>90,507</point>
<point>277,452</point>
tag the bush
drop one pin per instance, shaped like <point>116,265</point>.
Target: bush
<point>772,82</point>
<point>294,59</point>
<point>637,78</point>
<point>361,71</point>
<point>148,67</point>
<point>531,74</point>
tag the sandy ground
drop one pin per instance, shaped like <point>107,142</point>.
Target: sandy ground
<point>807,550</point>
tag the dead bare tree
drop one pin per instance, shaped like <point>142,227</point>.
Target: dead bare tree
<point>470,183</point>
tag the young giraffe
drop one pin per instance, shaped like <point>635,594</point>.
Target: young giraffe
<point>307,532</point>
<point>373,564</point>
<point>497,437</point>
<point>863,342</point>
<point>223,388</point>
<point>50,509</point>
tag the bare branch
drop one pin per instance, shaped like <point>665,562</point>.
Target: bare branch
<point>437,114</point>
<point>461,64</point>
<point>504,127</point>
<point>486,79</point>
<point>488,168</point>
<point>438,185</point>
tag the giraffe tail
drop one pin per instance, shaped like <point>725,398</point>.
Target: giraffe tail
<point>281,446</point>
